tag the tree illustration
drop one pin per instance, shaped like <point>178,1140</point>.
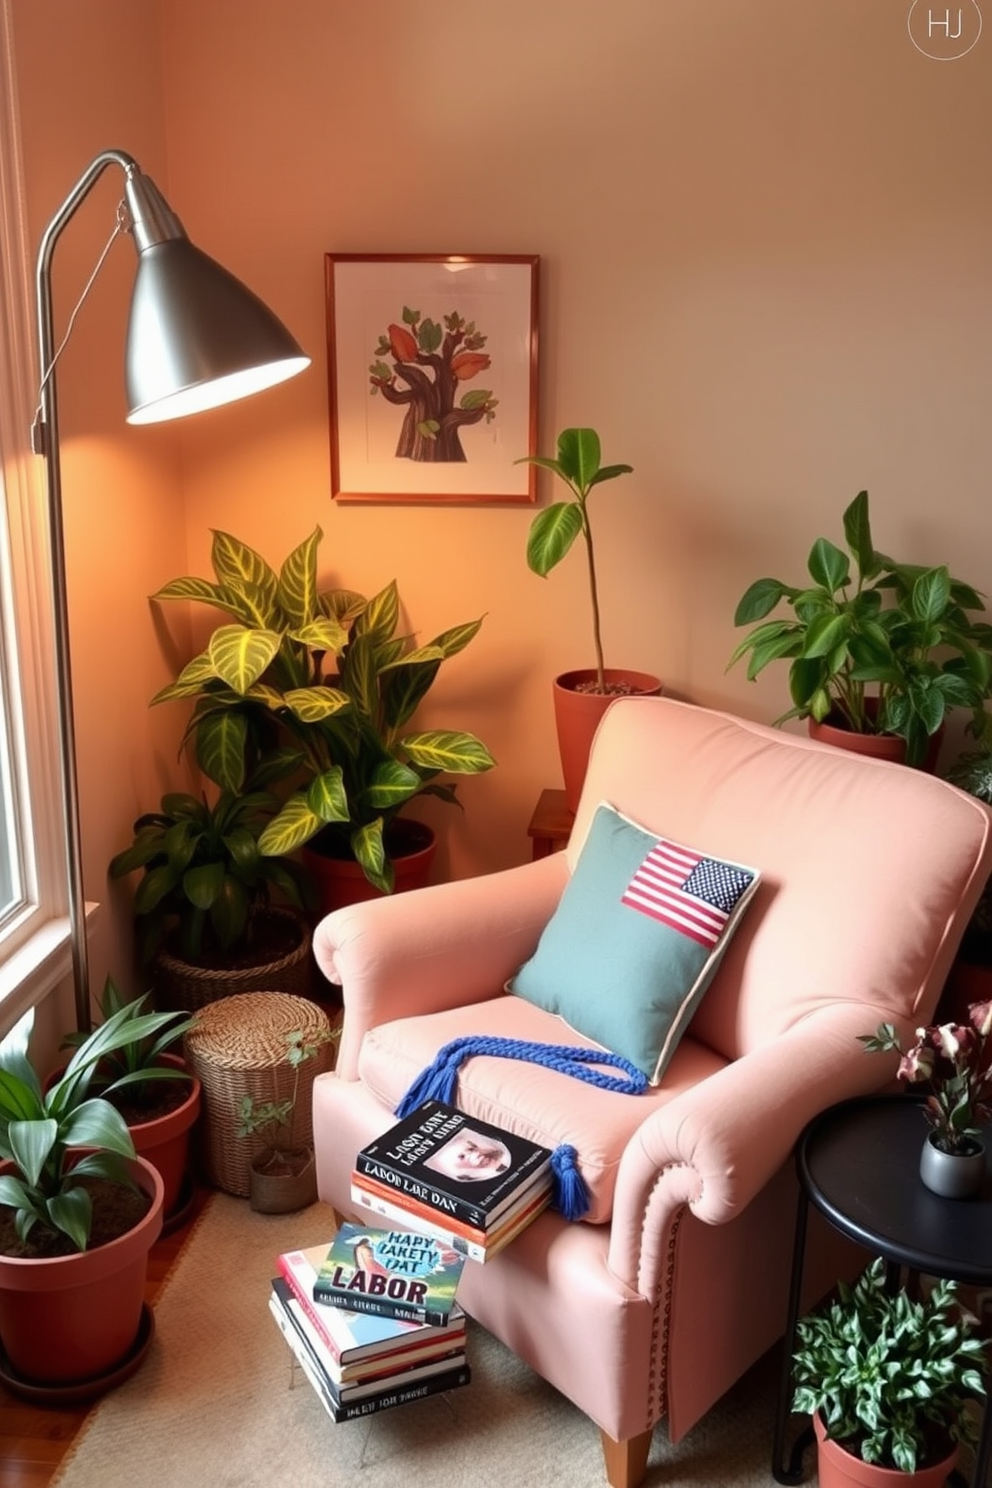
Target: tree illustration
<point>424,377</point>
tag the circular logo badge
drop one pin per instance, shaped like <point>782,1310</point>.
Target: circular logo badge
<point>944,32</point>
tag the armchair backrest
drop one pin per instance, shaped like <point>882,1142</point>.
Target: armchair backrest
<point>869,870</point>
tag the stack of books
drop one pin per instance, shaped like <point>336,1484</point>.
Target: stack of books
<point>472,1185</point>
<point>372,1320</point>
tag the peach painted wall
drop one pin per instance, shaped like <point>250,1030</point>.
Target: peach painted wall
<point>765,233</point>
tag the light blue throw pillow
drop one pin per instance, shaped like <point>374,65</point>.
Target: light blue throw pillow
<point>635,940</point>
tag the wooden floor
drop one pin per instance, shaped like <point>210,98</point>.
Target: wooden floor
<point>34,1440</point>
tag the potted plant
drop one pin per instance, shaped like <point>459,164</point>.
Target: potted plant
<point>151,1085</point>
<point>282,1175</point>
<point>888,1381</point>
<point>881,652</point>
<point>207,905</point>
<point>316,688</point>
<point>954,1062</point>
<point>79,1212</point>
<point>581,697</point>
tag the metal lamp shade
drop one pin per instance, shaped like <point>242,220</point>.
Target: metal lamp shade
<point>197,337</point>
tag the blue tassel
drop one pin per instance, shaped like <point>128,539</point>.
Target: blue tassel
<point>571,1193</point>
<point>439,1081</point>
<point>436,1082</point>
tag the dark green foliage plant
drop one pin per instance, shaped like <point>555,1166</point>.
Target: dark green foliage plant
<point>886,647</point>
<point>891,1377</point>
<point>204,876</point>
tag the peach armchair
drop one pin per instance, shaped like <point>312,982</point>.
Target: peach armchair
<point>675,1283</point>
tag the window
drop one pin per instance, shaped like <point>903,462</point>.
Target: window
<point>33,923</point>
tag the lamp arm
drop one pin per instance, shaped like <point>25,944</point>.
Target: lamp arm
<point>45,441</point>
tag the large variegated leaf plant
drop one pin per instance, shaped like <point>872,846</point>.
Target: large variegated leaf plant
<point>316,689</point>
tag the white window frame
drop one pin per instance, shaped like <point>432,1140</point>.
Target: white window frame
<point>34,941</point>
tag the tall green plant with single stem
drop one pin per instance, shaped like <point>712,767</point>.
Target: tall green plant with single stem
<point>554,530</point>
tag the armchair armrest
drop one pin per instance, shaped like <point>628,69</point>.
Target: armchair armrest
<point>432,949</point>
<point>716,1146</point>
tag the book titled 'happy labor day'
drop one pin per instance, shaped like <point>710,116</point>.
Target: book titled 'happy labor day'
<point>398,1273</point>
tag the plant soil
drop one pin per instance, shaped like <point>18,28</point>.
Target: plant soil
<point>611,689</point>
<point>141,1103</point>
<point>116,1209</point>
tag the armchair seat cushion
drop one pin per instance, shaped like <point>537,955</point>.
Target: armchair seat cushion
<point>543,1104</point>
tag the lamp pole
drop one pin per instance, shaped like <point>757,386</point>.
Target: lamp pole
<point>197,338</point>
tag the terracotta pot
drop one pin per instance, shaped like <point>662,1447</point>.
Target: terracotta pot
<point>165,1140</point>
<point>876,746</point>
<point>340,881</point>
<point>281,1193</point>
<point>71,1318</point>
<point>577,716</point>
<point>839,1469</point>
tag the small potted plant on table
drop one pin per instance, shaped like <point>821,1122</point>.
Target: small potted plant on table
<point>888,1381</point>
<point>580,697</point>
<point>954,1062</point>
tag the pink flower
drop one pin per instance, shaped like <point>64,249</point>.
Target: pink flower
<point>981,1018</point>
<point>916,1064</point>
<point>955,1061</point>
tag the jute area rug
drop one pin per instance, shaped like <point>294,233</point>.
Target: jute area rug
<point>216,1403</point>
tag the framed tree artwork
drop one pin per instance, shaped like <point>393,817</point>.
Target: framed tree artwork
<point>432,376</point>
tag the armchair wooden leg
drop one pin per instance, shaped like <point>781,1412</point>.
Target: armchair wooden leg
<point>626,1461</point>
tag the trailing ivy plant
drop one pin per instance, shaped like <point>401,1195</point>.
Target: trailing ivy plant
<point>891,1377</point>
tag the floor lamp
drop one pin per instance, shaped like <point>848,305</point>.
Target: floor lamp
<point>196,338</point>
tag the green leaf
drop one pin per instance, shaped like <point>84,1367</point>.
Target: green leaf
<point>381,613</point>
<point>445,749</point>
<point>828,566</point>
<point>202,884</point>
<point>221,741</point>
<point>931,595</point>
<point>239,566</point>
<point>314,704</point>
<point>240,656</point>
<point>31,1145</point>
<point>392,783</point>
<point>429,337</point>
<point>369,850</point>
<point>72,1213</point>
<point>323,634</point>
<point>326,797</point>
<point>579,455</point>
<point>477,398</point>
<point>552,533</point>
<point>857,532</point>
<point>294,825</point>
<point>759,600</point>
<point>297,586</point>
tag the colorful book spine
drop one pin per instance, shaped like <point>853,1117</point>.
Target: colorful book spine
<point>464,1168</point>
<point>352,1337</point>
<point>372,1366</point>
<point>399,1391</point>
<point>535,1197</point>
<point>480,1250</point>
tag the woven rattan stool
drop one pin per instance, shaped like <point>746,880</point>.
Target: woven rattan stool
<point>237,1048</point>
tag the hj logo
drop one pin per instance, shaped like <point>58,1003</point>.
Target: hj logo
<point>944,32</point>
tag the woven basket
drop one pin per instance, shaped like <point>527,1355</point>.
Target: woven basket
<point>182,987</point>
<point>238,1048</point>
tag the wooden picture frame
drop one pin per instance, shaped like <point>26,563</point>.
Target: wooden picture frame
<point>432,376</point>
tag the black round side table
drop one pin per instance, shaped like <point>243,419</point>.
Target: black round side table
<point>858,1163</point>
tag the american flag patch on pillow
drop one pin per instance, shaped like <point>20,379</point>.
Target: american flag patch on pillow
<point>687,892</point>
